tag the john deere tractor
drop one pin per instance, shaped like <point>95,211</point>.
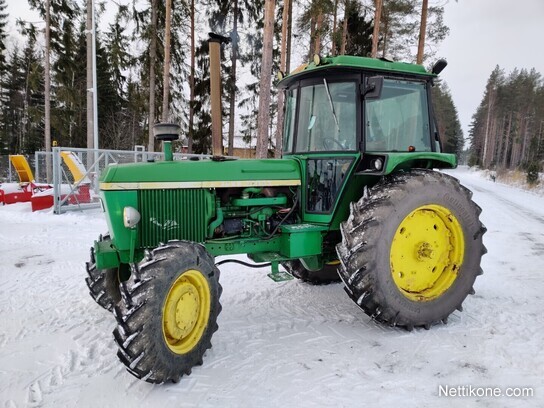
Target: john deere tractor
<point>356,197</point>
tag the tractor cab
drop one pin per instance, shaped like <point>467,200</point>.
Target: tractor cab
<point>355,104</point>
<point>348,116</point>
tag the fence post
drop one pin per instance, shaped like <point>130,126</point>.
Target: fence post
<point>36,167</point>
<point>56,180</point>
<point>9,170</point>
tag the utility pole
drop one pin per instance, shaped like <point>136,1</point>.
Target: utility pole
<point>90,97</point>
<point>47,89</point>
<point>95,84</point>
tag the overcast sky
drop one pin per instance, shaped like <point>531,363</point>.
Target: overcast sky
<point>483,33</point>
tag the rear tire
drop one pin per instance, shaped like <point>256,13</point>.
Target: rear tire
<point>168,312</point>
<point>328,274</point>
<point>411,249</point>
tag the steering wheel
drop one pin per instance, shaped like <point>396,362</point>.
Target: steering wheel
<point>328,143</point>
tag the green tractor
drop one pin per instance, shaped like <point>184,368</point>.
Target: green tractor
<point>355,198</point>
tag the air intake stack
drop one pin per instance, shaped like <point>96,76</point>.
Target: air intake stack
<point>166,133</point>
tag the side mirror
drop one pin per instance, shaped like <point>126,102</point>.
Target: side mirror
<point>373,88</point>
<point>439,66</point>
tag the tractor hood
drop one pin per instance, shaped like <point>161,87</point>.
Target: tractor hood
<point>201,174</point>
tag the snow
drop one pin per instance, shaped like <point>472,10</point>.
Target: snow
<point>9,188</point>
<point>287,343</point>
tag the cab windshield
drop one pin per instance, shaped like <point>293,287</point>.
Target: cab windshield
<point>327,118</point>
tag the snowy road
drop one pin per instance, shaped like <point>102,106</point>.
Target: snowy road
<point>286,344</point>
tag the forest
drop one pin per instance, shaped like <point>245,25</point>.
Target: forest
<point>152,65</point>
<point>507,130</point>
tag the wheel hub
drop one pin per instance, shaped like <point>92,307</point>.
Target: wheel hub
<point>186,311</point>
<point>426,252</point>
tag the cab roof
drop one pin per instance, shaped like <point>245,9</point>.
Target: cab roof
<point>352,62</point>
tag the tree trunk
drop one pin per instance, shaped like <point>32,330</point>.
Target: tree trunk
<point>47,89</point>
<point>507,142</point>
<point>525,141</point>
<point>152,60</point>
<point>376,32</point>
<point>90,134</point>
<point>192,82</point>
<point>318,31</point>
<point>500,143</point>
<point>234,60</point>
<point>344,29</point>
<point>493,141</point>
<point>422,31</point>
<point>266,74</point>
<point>289,30</point>
<point>486,137</point>
<point>385,37</point>
<point>283,62</point>
<point>312,39</point>
<point>166,71</point>
<point>334,23</point>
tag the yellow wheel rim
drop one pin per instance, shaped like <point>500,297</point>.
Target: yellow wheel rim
<point>427,252</point>
<point>186,311</point>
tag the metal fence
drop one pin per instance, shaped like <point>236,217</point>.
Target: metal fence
<point>75,179</point>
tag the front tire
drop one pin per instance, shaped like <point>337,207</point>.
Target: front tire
<point>168,313</point>
<point>411,249</point>
<point>103,284</point>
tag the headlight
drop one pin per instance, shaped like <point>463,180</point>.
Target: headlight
<point>131,217</point>
<point>378,164</point>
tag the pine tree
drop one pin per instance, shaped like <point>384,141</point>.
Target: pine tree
<point>3,34</point>
<point>3,70</point>
<point>449,126</point>
<point>201,141</point>
<point>150,22</point>
<point>507,127</point>
<point>13,112</point>
<point>358,30</point>
<point>313,21</point>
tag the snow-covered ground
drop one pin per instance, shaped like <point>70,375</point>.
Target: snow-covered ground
<point>278,344</point>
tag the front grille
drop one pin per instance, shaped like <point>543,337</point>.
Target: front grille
<point>173,214</point>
